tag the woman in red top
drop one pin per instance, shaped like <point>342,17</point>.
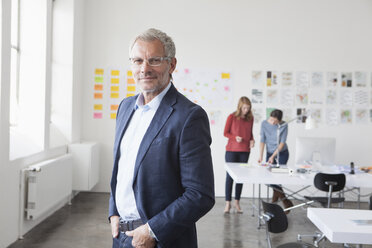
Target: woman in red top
<point>238,130</point>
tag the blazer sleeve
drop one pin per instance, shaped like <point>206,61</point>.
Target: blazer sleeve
<point>196,177</point>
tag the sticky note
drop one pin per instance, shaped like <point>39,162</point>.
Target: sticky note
<point>114,95</point>
<point>129,94</point>
<point>130,81</point>
<point>98,95</point>
<point>225,75</point>
<point>114,80</point>
<point>114,88</point>
<point>98,79</point>
<point>131,88</point>
<point>113,115</point>
<point>98,107</point>
<point>129,73</point>
<point>98,71</point>
<point>114,107</point>
<point>98,87</point>
<point>115,73</point>
<point>97,115</point>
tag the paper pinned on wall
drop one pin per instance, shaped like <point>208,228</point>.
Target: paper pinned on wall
<point>131,88</point>
<point>257,96</point>
<point>331,97</point>
<point>98,95</point>
<point>112,115</point>
<point>360,79</point>
<point>98,107</point>
<point>346,98</point>
<point>114,107</point>
<point>98,71</point>
<point>361,97</point>
<point>114,88</point>
<point>361,116</point>
<point>346,79</point>
<point>287,79</point>
<point>287,97</point>
<point>98,87</point>
<point>114,95</point>
<point>225,75</point>
<point>114,80</point>
<point>258,78</point>
<point>115,73</point>
<point>129,95</point>
<point>98,79</point>
<point>302,79</point>
<point>346,116</point>
<point>97,115</point>
<point>272,96</point>
<point>129,74</point>
<point>332,79</point>
<point>317,79</point>
<point>130,81</point>
<point>332,117</point>
<point>302,96</point>
<point>258,114</point>
<point>316,96</point>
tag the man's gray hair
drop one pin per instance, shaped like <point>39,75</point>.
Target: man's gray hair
<point>155,34</point>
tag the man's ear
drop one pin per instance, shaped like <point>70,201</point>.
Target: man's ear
<point>173,64</point>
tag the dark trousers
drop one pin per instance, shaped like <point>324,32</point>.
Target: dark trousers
<point>122,241</point>
<point>241,157</point>
<point>283,159</point>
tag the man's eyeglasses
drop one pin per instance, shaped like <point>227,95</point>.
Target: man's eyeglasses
<point>154,61</point>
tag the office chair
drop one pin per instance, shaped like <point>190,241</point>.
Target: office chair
<point>329,183</point>
<point>276,222</point>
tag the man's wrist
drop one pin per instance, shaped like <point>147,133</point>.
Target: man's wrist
<point>151,233</point>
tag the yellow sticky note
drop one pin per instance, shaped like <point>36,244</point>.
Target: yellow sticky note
<point>98,71</point>
<point>129,73</point>
<point>113,115</point>
<point>98,79</point>
<point>98,107</point>
<point>225,75</point>
<point>114,95</point>
<point>114,107</point>
<point>130,81</point>
<point>98,87</point>
<point>114,88</point>
<point>129,94</point>
<point>114,80</point>
<point>131,88</point>
<point>98,95</point>
<point>115,73</point>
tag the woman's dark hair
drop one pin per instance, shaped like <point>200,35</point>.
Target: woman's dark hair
<point>277,113</point>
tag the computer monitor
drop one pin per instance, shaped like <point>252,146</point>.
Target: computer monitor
<point>315,151</point>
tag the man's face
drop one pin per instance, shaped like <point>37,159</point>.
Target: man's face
<point>151,79</point>
<point>273,121</point>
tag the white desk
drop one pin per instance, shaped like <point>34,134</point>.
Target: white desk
<point>261,175</point>
<point>339,227</point>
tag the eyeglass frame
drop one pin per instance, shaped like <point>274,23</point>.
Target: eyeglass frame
<point>148,60</point>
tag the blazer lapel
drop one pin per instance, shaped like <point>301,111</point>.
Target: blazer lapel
<point>161,116</point>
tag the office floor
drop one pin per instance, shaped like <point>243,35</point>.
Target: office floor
<point>84,225</point>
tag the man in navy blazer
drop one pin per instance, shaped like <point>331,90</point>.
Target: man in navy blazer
<point>162,181</point>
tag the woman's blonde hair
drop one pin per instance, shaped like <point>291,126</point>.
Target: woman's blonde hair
<point>238,112</point>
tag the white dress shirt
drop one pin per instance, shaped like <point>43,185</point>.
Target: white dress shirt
<point>130,143</point>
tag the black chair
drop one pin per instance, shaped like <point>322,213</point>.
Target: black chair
<point>329,183</point>
<point>276,222</point>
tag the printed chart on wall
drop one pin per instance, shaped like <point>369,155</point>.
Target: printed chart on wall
<point>110,86</point>
<point>331,98</point>
<point>208,88</point>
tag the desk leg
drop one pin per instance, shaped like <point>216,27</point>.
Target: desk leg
<point>253,200</point>
<point>358,197</point>
<point>259,206</point>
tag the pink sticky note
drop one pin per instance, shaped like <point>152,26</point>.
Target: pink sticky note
<point>97,115</point>
<point>227,88</point>
<point>187,71</point>
<point>213,122</point>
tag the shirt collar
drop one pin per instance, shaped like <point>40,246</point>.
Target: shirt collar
<point>154,103</point>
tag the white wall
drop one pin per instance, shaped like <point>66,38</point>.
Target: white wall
<point>240,36</point>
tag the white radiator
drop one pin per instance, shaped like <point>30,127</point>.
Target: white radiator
<point>47,184</point>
